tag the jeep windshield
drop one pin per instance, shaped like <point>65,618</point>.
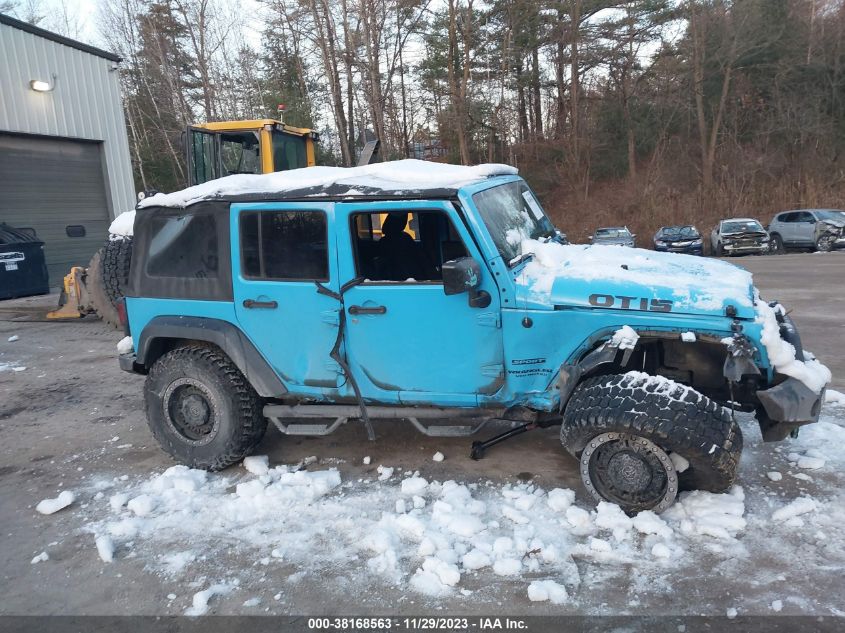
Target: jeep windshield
<point>512,214</point>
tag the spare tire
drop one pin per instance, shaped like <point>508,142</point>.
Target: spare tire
<point>117,256</point>
<point>97,291</point>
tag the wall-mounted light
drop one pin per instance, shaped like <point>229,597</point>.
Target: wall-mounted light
<point>39,85</point>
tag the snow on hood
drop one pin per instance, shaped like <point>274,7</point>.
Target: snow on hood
<point>397,175</point>
<point>569,274</point>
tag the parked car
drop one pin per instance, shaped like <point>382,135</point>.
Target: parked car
<point>679,239</point>
<point>739,236</point>
<point>816,229</point>
<point>273,299</point>
<point>614,236</point>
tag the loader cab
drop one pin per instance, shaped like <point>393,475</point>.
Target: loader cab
<point>215,150</point>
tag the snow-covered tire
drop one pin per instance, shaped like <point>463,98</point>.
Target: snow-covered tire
<point>97,291</point>
<point>673,417</point>
<point>117,256</point>
<point>201,409</point>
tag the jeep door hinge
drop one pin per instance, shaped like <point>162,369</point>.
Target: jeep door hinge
<point>493,371</point>
<point>489,319</point>
<point>332,317</point>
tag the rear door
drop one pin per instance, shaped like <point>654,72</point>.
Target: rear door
<point>280,252</point>
<point>406,340</point>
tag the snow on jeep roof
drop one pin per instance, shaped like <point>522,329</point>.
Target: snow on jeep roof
<point>392,178</point>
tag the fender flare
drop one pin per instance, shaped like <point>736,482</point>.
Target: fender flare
<point>228,337</point>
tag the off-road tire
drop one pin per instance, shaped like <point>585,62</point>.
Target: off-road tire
<point>116,258</point>
<point>678,420</point>
<point>97,291</point>
<point>233,405</point>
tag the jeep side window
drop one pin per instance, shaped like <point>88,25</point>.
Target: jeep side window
<point>404,247</point>
<point>183,246</point>
<point>284,245</point>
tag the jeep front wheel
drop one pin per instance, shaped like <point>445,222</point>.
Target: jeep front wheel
<point>624,429</point>
<point>201,409</point>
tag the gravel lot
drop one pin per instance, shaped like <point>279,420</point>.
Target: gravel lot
<point>71,420</point>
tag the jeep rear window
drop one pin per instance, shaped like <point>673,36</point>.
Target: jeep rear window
<point>183,246</point>
<point>512,214</point>
<point>284,245</point>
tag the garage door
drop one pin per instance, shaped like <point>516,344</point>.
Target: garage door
<point>56,187</point>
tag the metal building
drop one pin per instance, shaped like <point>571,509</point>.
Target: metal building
<point>64,154</point>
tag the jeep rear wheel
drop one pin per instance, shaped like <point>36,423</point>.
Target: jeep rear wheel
<point>624,428</point>
<point>201,409</point>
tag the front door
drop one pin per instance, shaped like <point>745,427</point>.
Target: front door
<point>280,251</point>
<point>406,340</point>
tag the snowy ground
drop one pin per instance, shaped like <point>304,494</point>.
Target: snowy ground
<point>243,540</point>
<point>513,534</point>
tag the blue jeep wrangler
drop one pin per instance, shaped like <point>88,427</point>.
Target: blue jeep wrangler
<point>444,296</point>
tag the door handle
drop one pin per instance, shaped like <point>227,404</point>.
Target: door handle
<point>252,303</point>
<point>356,310</point>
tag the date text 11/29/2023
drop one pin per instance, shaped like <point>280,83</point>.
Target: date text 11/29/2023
<point>375,624</point>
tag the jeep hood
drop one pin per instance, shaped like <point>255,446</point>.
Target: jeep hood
<point>631,279</point>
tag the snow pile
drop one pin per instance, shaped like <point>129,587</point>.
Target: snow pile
<point>624,338</point>
<point>782,354</point>
<point>425,535</point>
<point>541,590</point>
<point>831,396</point>
<point>43,556</point>
<point>692,282</point>
<point>123,225</point>
<point>105,548</point>
<point>400,175</point>
<point>50,506</point>
<point>797,507</point>
<point>701,513</point>
<point>257,464</point>
<point>201,599</point>
<point>125,345</point>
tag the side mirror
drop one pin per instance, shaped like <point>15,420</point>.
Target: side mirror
<point>461,275</point>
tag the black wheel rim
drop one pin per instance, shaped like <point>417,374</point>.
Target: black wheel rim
<point>190,411</point>
<point>630,471</point>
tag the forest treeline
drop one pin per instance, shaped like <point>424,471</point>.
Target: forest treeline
<point>638,112</point>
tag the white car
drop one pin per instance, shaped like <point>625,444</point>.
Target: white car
<point>738,236</point>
